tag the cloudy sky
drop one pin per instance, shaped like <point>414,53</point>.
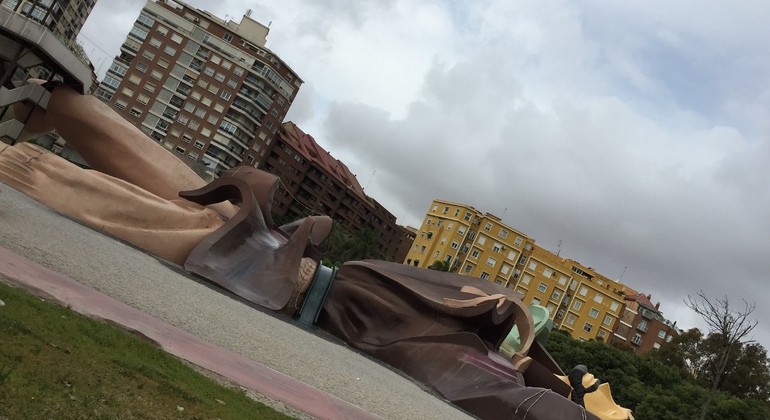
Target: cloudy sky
<point>633,133</point>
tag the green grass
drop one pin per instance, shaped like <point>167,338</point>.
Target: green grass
<point>55,363</point>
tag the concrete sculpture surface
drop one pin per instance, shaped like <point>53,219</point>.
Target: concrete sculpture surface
<point>441,329</point>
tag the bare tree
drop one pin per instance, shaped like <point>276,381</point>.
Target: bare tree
<point>732,325</point>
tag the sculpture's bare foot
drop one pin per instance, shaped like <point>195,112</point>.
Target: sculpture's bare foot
<point>307,269</point>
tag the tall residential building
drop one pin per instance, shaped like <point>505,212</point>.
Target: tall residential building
<point>64,18</point>
<point>207,89</point>
<point>580,301</point>
<point>314,182</point>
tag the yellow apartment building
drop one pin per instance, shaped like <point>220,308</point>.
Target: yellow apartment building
<point>580,300</point>
<point>473,243</point>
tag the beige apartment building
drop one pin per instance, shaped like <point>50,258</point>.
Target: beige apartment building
<point>205,88</point>
<point>64,18</point>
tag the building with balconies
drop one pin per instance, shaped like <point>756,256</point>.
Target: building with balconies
<point>206,89</point>
<point>642,326</point>
<point>313,182</point>
<point>580,301</point>
<point>64,18</point>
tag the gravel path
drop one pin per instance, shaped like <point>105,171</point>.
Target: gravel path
<point>158,289</point>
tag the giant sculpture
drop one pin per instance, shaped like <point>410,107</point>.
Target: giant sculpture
<point>441,329</point>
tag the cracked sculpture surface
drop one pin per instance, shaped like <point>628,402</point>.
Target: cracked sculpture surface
<point>442,329</point>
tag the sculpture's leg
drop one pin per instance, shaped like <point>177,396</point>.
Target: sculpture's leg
<point>112,145</point>
<point>169,229</point>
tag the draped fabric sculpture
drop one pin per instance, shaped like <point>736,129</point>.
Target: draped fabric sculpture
<point>442,329</point>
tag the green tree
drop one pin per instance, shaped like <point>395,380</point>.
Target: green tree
<point>442,266</point>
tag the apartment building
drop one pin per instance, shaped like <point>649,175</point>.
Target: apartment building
<point>206,89</point>
<point>580,300</point>
<point>64,18</point>
<point>314,182</point>
<point>642,326</point>
<point>473,243</point>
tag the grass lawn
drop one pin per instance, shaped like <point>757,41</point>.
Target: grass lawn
<point>57,364</point>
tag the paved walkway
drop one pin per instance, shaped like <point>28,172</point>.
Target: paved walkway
<point>104,278</point>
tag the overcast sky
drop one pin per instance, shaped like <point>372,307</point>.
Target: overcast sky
<point>634,133</point>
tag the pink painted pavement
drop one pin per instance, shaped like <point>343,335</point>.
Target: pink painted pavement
<point>53,286</point>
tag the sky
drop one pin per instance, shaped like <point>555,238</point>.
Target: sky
<point>633,134</point>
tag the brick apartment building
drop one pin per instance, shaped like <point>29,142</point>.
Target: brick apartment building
<point>206,89</point>
<point>314,182</point>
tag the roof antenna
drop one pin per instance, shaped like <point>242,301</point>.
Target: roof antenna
<point>558,248</point>
<point>622,274</point>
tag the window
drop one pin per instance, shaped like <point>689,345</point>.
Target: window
<point>669,338</point>
<point>461,230</point>
<point>437,254</point>
<point>193,125</point>
<point>163,63</point>
<point>532,265</point>
<point>475,254</point>
<point>571,319</point>
<point>467,216</point>
<point>238,71</point>
<point>637,339</point>
<point>138,33</point>
<point>450,226</point>
<point>199,144</point>
<point>577,305</point>
<point>518,241</point>
<point>156,75</point>
<point>607,320</point>
<point>594,313</point>
<point>134,79</point>
<point>154,42</point>
<point>496,247</point>
<point>120,104</point>
<point>503,233</point>
<point>662,334</point>
<point>602,334</point>
<point>583,291</point>
<point>111,82</point>
<point>183,119</point>
<point>213,119</point>
<point>250,159</point>
<point>142,99</point>
<point>149,87</point>
<point>588,327</point>
<point>491,262</point>
<point>227,37</point>
<point>542,287</point>
<point>219,77</point>
<point>562,281</point>
<point>169,50</point>
<point>488,227</point>
<point>457,211</point>
<point>547,273</point>
<point>186,138</point>
<point>598,298</point>
<point>484,275</point>
<point>226,95</point>
<point>455,244</point>
<point>511,255</point>
<point>614,306</point>
<point>468,268</point>
<point>145,21</point>
<point>200,113</point>
<point>535,301</point>
<point>127,91</point>
<point>642,326</point>
<point>208,71</point>
<point>162,30</point>
<point>656,345</point>
<point>422,249</point>
<point>118,69</point>
<point>176,38</point>
<point>192,156</point>
<point>482,239</point>
<point>446,209</point>
<point>525,280</point>
<point>142,67</point>
<point>555,295</point>
<point>135,112</point>
<point>505,269</point>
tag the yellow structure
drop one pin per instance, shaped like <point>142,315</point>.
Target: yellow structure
<point>580,300</point>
